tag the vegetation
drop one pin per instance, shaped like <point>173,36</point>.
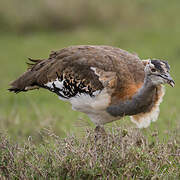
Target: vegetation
<point>67,149</point>
<point>120,154</point>
<point>24,114</point>
<point>27,16</point>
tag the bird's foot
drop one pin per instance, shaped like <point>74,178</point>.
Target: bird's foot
<point>99,132</point>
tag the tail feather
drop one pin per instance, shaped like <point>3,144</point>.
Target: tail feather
<point>25,80</point>
<point>32,62</point>
<point>15,90</point>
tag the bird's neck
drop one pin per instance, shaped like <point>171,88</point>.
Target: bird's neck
<point>146,91</point>
<point>142,101</point>
<point>144,97</point>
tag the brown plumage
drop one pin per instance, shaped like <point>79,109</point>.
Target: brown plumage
<point>77,60</point>
<point>89,70</point>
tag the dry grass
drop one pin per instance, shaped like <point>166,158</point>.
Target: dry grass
<point>121,154</point>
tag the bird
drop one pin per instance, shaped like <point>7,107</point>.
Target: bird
<point>104,82</point>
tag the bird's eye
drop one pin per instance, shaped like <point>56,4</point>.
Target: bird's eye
<point>153,70</point>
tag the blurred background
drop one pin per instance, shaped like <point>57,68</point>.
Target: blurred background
<point>34,28</point>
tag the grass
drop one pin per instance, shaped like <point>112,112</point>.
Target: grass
<point>26,115</point>
<point>122,154</point>
<point>41,137</point>
<point>39,109</point>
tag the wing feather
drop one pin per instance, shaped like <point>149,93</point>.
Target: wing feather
<point>75,62</point>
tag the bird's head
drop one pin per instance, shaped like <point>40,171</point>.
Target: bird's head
<point>158,72</point>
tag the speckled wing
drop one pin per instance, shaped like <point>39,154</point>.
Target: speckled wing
<point>76,63</point>
<point>119,70</point>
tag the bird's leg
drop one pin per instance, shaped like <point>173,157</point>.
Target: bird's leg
<point>99,132</point>
<point>100,129</point>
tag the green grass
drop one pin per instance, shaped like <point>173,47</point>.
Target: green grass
<point>24,114</point>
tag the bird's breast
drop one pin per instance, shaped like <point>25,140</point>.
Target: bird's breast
<point>95,107</point>
<point>83,98</point>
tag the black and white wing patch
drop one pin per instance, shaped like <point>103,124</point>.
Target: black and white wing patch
<point>67,88</point>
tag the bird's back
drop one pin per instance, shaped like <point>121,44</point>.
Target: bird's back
<point>92,67</point>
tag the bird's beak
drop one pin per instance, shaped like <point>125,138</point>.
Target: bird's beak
<point>171,82</point>
<point>169,79</point>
